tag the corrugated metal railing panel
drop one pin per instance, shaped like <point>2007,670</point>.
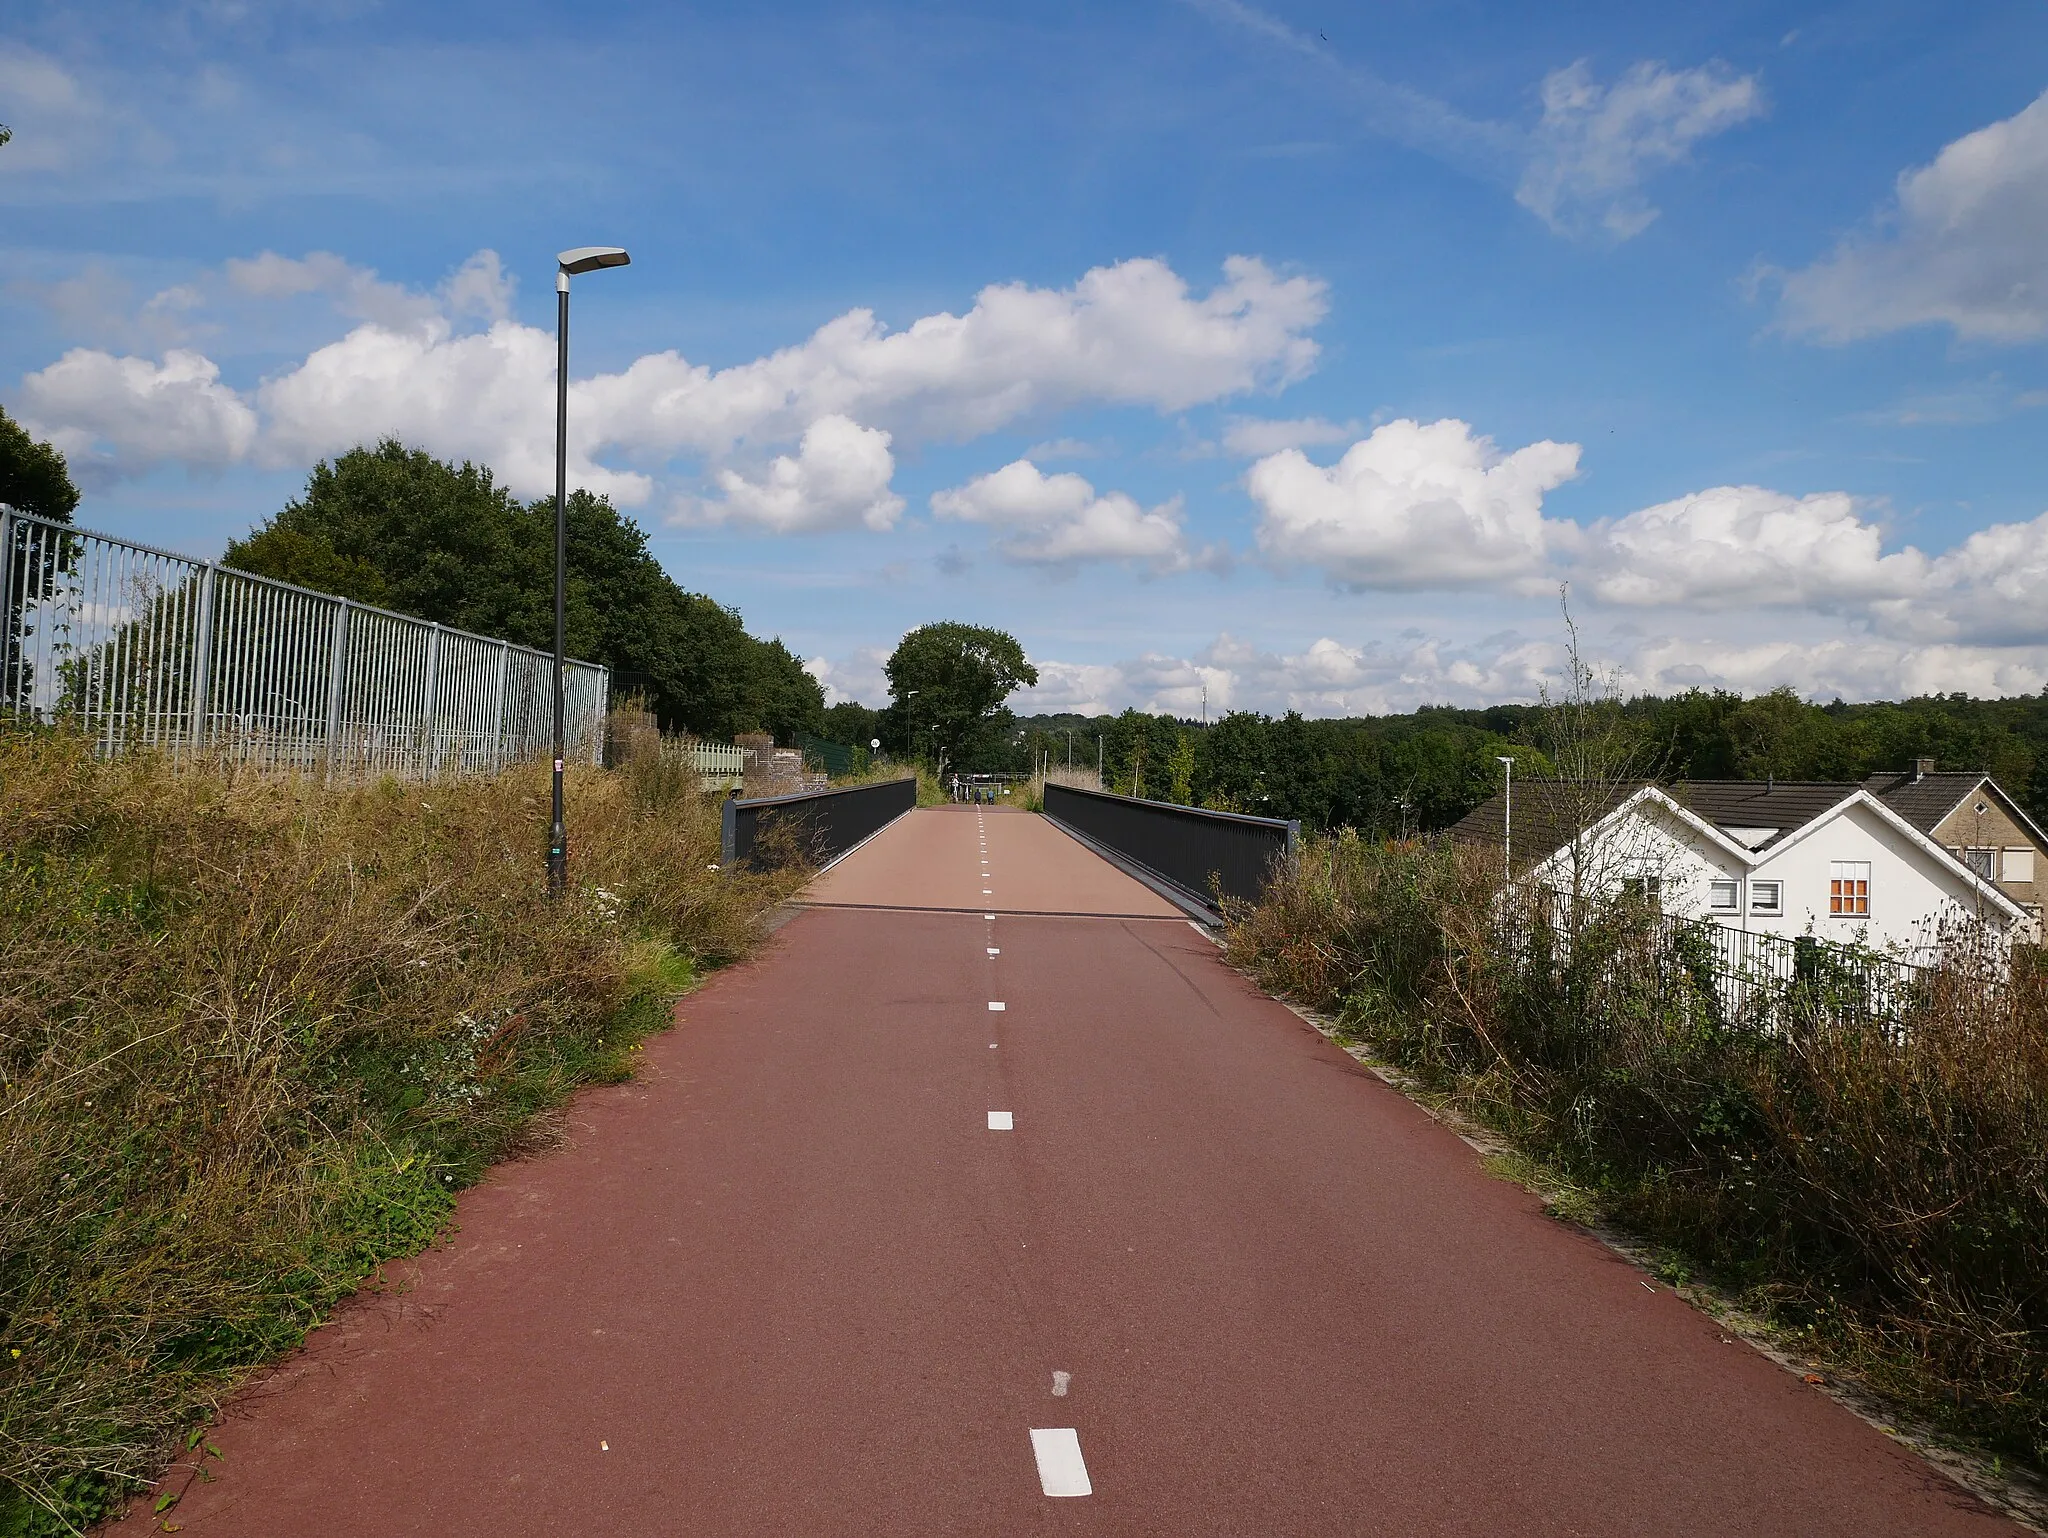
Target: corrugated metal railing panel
<point>143,648</point>
<point>1198,852</point>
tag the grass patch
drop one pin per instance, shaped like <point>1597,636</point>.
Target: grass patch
<point>256,1033</point>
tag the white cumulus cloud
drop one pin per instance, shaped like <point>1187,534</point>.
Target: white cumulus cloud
<point>837,479</point>
<point>129,414</point>
<point>1413,505</point>
<point>1060,520</point>
<point>1749,547</point>
<point>1965,245</point>
<point>1596,145</point>
<point>487,396</point>
<point>1131,334</point>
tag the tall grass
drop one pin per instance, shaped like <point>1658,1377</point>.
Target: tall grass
<point>255,1033</point>
<point>1882,1196</point>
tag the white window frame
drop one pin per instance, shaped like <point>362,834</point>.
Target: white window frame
<point>1989,863</point>
<point>1769,907</point>
<point>1646,889</point>
<point>1720,886</point>
<point>1844,876</point>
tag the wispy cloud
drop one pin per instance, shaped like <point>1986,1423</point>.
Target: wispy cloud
<point>1583,167</point>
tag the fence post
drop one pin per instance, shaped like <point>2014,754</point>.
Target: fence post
<point>7,636</point>
<point>604,699</point>
<point>337,684</point>
<point>430,750</point>
<point>498,708</point>
<point>202,660</point>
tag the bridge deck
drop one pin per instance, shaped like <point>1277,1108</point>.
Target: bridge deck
<point>857,1248</point>
<point>973,859</point>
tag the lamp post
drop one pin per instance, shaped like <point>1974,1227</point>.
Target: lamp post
<point>1507,820</point>
<point>568,265</point>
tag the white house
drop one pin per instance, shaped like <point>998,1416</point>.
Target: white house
<point>1831,860</point>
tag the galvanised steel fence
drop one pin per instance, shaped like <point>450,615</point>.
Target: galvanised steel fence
<point>143,648</point>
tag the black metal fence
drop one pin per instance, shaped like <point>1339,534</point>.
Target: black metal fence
<point>815,824</point>
<point>1197,852</point>
<point>1703,972</point>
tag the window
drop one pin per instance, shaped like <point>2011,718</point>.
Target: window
<point>1849,889</point>
<point>1723,896</point>
<point>1982,862</point>
<point>2019,865</point>
<point>1647,890</point>
<point>1767,897</point>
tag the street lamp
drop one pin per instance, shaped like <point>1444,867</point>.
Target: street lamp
<point>1507,820</point>
<point>568,265</point>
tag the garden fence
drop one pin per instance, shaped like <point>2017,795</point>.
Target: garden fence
<point>143,648</point>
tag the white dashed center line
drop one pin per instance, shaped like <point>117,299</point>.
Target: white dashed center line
<point>1001,1121</point>
<point>997,1005</point>
<point>1061,1469</point>
<point>995,950</point>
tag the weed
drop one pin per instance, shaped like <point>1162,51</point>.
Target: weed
<point>1883,1194</point>
<point>255,1034</point>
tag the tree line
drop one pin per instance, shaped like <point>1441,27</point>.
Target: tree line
<point>1424,770</point>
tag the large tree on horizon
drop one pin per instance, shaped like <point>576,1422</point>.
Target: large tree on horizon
<point>948,682</point>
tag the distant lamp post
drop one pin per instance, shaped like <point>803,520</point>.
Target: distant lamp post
<point>1507,820</point>
<point>568,265</point>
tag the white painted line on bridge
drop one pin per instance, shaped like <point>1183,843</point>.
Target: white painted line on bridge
<point>997,1005</point>
<point>1061,1469</point>
<point>995,950</point>
<point>1001,1121</point>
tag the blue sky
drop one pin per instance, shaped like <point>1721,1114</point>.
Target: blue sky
<point>1293,353</point>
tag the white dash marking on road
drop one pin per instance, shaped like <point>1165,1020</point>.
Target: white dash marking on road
<point>985,892</point>
<point>988,915</point>
<point>997,1005</point>
<point>1002,1121</point>
<point>1060,1380</point>
<point>1061,1469</point>
<point>995,950</point>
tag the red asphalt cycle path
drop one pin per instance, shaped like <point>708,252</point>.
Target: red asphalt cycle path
<point>789,1282</point>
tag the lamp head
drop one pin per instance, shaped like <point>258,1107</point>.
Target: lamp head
<point>589,258</point>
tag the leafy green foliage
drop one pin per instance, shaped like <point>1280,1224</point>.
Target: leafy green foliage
<point>34,478</point>
<point>959,675</point>
<point>1419,772</point>
<point>398,528</point>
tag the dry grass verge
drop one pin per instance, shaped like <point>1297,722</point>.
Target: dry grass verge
<point>255,1033</point>
<point>1882,1201</point>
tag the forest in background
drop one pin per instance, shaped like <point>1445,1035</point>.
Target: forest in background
<point>1423,771</point>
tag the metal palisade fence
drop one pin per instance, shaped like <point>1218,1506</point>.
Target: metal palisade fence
<point>142,648</point>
